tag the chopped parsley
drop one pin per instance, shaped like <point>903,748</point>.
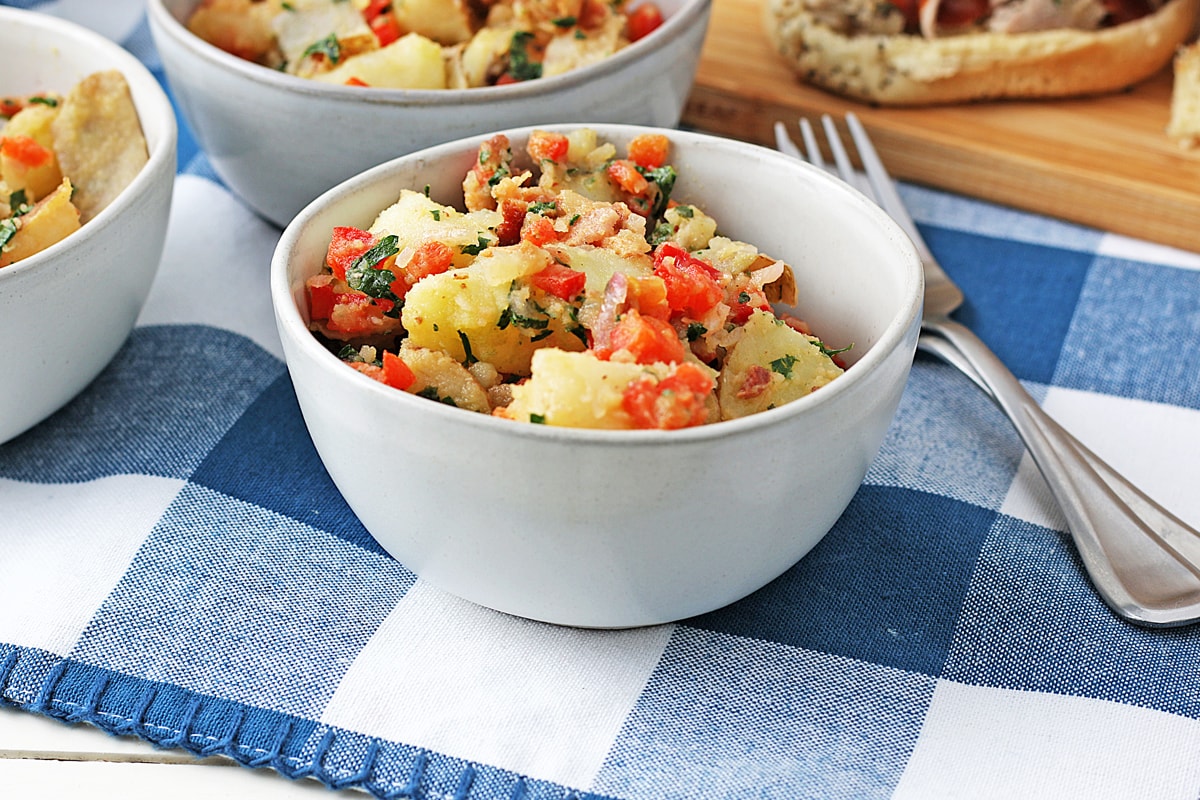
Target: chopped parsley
<point>830,352</point>
<point>45,101</point>
<point>684,211</point>
<point>329,47</point>
<point>366,276</point>
<point>520,65</point>
<point>501,172</point>
<point>19,203</point>
<point>431,393</point>
<point>469,358</point>
<point>695,330</point>
<point>542,207</point>
<point>784,365</point>
<point>564,22</point>
<point>662,233</point>
<point>537,419</point>
<point>528,322</point>
<point>288,7</point>
<point>475,249</point>
<point>8,229</point>
<point>664,178</point>
<point>437,214</point>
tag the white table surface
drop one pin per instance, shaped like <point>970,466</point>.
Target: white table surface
<point>43,759</point>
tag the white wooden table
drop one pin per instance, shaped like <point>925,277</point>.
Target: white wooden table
<point>43,759</point>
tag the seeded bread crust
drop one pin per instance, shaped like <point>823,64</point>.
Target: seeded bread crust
<point>906,70</point>
<point>1184,125</point>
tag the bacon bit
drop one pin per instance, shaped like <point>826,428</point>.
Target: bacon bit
<point>796,324</point>
<point>508,232</point>
<point>758,378</point>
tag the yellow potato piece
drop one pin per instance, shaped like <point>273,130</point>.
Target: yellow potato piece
<point>99,140</point>
<point>796,367</point>
<point>577,390</point>
<point>415,219</point>
<point>444,21</point>
<point>50,221</point>
<point>474,307</point>
<point>37,182</point>
<point>441,378</point>
<point>410,62</point>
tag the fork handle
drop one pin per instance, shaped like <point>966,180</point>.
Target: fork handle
<point>1144,562</point>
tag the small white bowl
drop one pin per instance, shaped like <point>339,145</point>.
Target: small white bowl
<point>279,141</point>
<point>65,311</point>
<point>619,528</point>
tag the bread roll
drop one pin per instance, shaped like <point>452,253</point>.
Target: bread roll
<point>907,69</point>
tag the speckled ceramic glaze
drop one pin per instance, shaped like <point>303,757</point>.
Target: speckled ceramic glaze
<point>278,140</point>
<point>65,311</point>
<point>619,528</point>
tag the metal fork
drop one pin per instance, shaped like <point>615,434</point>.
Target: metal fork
<point>1143,561</point>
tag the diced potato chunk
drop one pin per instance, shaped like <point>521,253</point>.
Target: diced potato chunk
<point>444,21</point>
<point>771,364</point>
<point>599,264</point>
<point>410,62</point>
<point>483,51</point>
<point>415,219</point>
<point>576,390</point>
<point>37,181</point>
<point>307,22</point>
<point>51,220</point>
<point>692,229</point>
<point>474,307</point>
<point>567,51</point>
<point>440,377</point>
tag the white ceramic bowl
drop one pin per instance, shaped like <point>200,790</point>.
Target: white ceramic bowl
<point>279,141</point>
<point>65,311</point>
<point>619,528</point>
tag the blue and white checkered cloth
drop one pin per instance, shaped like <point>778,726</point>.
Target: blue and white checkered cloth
<point>176,565</point>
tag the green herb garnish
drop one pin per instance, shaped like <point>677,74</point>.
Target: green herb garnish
<point>329,47</point>
<point>784,365</point>
<point>520,65</point>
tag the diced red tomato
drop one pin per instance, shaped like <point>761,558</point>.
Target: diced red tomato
<point>505,79</point>
<point>547,146</point>
<point>25,150</point>
<point>643,20</point>
<point>321,297</point>
<point>346,245</point>
<point>431,258</point>
<point>538,230</point>
<point>10,106</point>
<point>624,173</point>
<point>649,340</point>
<point>562,282</point>
<point>677,401</point>
<point>744,303</point>
<point>356,81</point>
<point>649,150</point>
<point>396,373</point>
<point>386,28</point>
<point>593,14</point>
<point>355,313</point>
<point>692,285</point>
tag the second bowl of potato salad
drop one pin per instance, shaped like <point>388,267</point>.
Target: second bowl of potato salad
<point>290,98</point>
<point>603,375</point>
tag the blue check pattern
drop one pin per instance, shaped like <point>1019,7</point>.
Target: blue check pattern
<point>885,664</point>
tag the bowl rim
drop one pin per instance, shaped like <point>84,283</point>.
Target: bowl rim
<point>689,13</point>
<point>892,338</point>
<point>162,153</point>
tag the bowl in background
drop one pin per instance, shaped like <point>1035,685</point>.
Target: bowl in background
<point>619,528</point>
<point>64,312</point>
<point>278,140</point>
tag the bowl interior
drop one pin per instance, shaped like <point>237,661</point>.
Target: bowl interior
<point>858,279</point>
<point>677,14</point>
<point>54,55</point>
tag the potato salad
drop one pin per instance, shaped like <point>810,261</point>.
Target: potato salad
<point>63,160</point>
<point>573,292</point>
<point>423,44</point>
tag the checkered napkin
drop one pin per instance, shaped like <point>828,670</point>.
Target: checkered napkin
<point>176,565</point>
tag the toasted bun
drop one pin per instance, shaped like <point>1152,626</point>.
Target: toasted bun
<point>912,70</point>
<point>1184,124</point>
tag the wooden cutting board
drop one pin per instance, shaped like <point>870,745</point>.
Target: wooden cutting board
<point>1104,162</point>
